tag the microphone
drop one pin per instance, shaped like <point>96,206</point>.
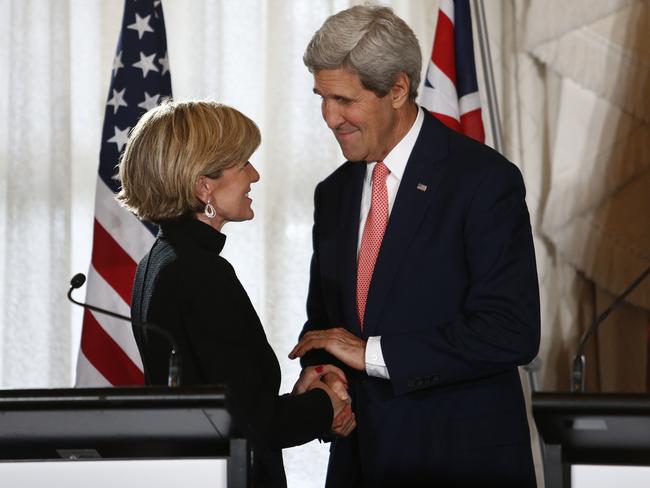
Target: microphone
<point>579,360</point>
<point>174,372</point>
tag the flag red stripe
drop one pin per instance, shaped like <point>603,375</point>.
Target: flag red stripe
<point>471,124</point>
<point>444,48</point>
<point>107,356</point>
<point>113,263</point>
<point>450,122</point>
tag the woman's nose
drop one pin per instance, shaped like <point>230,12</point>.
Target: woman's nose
<point>254,175</point>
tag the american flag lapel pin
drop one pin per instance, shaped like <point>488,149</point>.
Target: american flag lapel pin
<point>422,187</point>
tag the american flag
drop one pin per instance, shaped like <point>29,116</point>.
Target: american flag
<point>450,88</point>
<point>140,79</point>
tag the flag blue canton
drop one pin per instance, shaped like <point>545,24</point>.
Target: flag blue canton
<point>465,69</point>
<point>140,80</point>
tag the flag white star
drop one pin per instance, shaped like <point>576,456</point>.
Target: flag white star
<point>149,101</point>
<point>117,63</point>
<point>146,64</point>
<point>164,62</point>
<point>118,100</point>
<point>120,137</point>
<point>141,25</point>
<point>155,7</point>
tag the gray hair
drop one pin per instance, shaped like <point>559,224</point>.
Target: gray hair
<point>370,41</point>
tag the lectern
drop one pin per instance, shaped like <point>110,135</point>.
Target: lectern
<point>122,423</point>
<point>580,428</point>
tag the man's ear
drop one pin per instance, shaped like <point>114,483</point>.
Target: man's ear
<point>399,93</point>
<point>202,188</point>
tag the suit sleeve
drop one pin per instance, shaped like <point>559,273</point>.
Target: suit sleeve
<point>499,326</point>
<point>317,318</point>
<point>279,421</point>
<point>231,347</point>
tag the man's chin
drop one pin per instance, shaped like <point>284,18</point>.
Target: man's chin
<point>351,155</point>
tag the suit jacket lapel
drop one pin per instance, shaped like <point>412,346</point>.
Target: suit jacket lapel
<point>348,243</point>
<point>425,167</point>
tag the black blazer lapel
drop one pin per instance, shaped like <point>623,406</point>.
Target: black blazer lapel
<point>348,243</point>
<point>424,171</point>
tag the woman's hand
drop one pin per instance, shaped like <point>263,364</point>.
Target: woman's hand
<point>331,375</point>
<point>334,382</point>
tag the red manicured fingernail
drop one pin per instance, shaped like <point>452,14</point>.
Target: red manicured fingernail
<point>319,369</point>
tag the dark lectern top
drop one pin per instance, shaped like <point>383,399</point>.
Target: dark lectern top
<point>595,428</point>
<point>150,422</point>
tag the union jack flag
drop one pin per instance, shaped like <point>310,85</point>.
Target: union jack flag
<point>108,354</point>
<point>450,88</point>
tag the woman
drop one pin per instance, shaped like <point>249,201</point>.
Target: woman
<point>185,168</point>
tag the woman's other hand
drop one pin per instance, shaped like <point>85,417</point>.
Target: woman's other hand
<point>331,375</point>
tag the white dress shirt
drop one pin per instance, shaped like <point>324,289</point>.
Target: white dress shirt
<point>396,162</point>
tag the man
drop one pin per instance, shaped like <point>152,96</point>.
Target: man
<point>423,281</point>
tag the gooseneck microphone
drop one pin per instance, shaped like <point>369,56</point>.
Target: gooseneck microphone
<point>579,361</point>
<point>174,373</point>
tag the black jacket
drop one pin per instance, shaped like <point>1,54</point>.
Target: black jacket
<point>184,286</point>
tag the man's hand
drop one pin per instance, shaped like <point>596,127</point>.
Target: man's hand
<point>329,374</point>
<point>339,342</point>
<point>344,421</point>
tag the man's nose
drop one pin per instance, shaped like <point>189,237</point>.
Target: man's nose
<point>332,115</point>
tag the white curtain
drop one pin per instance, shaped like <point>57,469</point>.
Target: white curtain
<point>574,84</point>
<point>36,147</point>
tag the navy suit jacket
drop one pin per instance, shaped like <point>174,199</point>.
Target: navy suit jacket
<point>454,297</point>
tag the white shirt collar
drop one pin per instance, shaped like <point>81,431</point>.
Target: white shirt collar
<point>397,158</point>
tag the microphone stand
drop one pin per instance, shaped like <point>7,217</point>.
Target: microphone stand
<point>174,373</point>
<point>579,360</point>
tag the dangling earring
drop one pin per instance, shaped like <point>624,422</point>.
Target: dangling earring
<point>209,210</point>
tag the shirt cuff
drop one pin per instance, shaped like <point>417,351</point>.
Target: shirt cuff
<point>375,364</point>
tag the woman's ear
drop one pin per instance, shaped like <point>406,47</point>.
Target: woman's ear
<point>203,189</point>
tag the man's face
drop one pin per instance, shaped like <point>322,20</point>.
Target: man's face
<point>362,123</point>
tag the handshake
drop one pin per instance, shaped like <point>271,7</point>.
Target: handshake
<point>344,346</point>
<point>334,382</point>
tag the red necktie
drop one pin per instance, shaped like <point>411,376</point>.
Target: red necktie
<point>373,233</point>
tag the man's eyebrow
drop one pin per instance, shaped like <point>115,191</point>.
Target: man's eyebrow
<point>316,91</point>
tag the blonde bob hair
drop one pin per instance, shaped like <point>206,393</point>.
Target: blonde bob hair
<point>171,146</point>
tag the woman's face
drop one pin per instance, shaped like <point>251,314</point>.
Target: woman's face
<point>228,194</point>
